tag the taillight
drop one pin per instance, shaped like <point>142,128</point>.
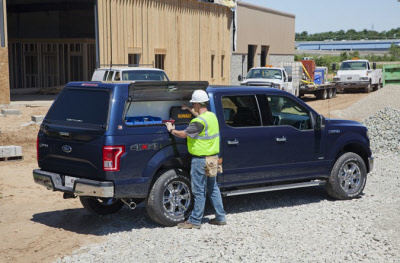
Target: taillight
<point>112,157</point>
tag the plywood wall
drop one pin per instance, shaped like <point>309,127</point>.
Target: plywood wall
<point>188,32</point>
<point>4,73</point>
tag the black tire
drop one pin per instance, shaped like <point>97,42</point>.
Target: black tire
<point>334,93</point>
<point>101,206</point>
<point>165,213</point>
<point>339,179</point>
<point>322,94</point>
<point>368,88</point>
<point>330,94</point>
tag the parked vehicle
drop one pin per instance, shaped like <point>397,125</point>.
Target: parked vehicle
<point>314,81</point>
<point>358,74</point>
<point>105,142</point>
<point>116,73</point>
<point>270,77</point>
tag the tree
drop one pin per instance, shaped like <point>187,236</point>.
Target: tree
<point>394,51</point>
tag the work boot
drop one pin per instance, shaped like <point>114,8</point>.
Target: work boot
<point>188,225</point>
<point>216,222</point>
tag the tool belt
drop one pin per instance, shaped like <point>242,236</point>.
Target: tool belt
<point>213,165</point>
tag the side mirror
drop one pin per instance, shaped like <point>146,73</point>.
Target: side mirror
<point>240,78</point>
<point>374,65</point>
<point>319,122</point>
<point>290,79</point>
<point>334,66</point>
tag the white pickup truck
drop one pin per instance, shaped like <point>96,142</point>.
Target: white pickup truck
<point>270,76</point>
<point>358,74</point>
<point>129,74</point>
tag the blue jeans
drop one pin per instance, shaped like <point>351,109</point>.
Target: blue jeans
<point>203,186</point>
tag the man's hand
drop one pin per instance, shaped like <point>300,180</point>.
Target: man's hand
<point>170,126</point>
<point>191,110</point>
<point>186,107</point>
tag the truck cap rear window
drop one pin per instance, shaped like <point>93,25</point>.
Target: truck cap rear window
<point>81,106</point>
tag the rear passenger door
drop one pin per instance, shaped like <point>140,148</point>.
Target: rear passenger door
<point>247,148</point>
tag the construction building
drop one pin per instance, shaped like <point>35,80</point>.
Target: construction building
<point>47,43</point>
<point>262,36</point>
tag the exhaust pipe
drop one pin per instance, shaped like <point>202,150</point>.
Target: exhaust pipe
<point>129,203</point>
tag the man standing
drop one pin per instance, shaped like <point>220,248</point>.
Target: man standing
<point>203,144</point>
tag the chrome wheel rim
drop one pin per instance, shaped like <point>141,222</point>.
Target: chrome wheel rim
<point>350,177</point>
<point>176,198</point>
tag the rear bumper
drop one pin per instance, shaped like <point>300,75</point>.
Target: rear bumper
<point>371,163</point>
<point>81,187</point>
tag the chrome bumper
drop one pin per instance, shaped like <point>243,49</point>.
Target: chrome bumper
<point>371,163</point>
<point>82,187</point>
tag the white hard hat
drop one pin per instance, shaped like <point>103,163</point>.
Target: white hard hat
<point>199,96</point>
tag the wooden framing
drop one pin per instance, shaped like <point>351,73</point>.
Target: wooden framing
<point>47,63</point>
<point>187,32</point>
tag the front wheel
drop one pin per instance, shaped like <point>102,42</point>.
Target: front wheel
<point>348,177</point>
<point>101,206</point>
<point>170,200</point>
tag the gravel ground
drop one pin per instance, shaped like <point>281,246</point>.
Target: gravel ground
<point>389,96</point>
<point>302,225</point>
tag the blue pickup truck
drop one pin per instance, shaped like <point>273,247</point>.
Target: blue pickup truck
<point>106,143</point>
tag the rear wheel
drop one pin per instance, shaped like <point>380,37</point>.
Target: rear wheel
<point>348,177</point>
<point>330,93</point>
<point>334,93</point>
<point>322,94</point>
<point>101,206</point>
<point>170,200</point>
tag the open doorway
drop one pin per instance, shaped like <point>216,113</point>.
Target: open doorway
<point>50,42</point>
<point>264,56</point>
<point>251,51</point>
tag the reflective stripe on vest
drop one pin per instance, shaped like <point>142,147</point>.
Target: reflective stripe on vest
<point>206,143</point>
<point>205,137</point>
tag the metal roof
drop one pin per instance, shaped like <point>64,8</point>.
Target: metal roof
<point>347,44</point>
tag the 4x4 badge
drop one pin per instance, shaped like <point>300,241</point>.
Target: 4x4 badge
<point>66,148</point>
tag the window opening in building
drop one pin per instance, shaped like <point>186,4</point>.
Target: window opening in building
<point>133,59</point>
<point>222,65</point>
<point>212,66</point>
<point>159,61</point>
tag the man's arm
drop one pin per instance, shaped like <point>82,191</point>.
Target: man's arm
<point>180,134</point>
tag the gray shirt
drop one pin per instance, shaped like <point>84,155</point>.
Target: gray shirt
<point>194,129</point>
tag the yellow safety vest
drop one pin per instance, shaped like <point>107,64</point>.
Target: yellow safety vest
<point>207,142</point>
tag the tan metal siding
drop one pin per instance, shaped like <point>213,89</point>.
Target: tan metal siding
<point>260,26</point>
<point>4,73</point>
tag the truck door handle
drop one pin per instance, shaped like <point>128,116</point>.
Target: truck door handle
<point>281,139</point>
<point>234,142</point>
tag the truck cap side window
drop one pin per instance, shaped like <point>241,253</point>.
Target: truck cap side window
<point>286,111</point>
<point>241,111</point>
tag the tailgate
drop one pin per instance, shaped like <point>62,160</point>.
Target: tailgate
<point>72,136</point>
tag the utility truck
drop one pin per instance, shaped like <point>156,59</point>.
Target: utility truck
<point>273,77</point>
<point>358,74</point>
<point>105,142</point>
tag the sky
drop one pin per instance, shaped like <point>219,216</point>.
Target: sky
<point>324,15</point>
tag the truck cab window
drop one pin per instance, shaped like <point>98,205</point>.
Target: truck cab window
<point>286,111</point>
<point>241,111</point>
